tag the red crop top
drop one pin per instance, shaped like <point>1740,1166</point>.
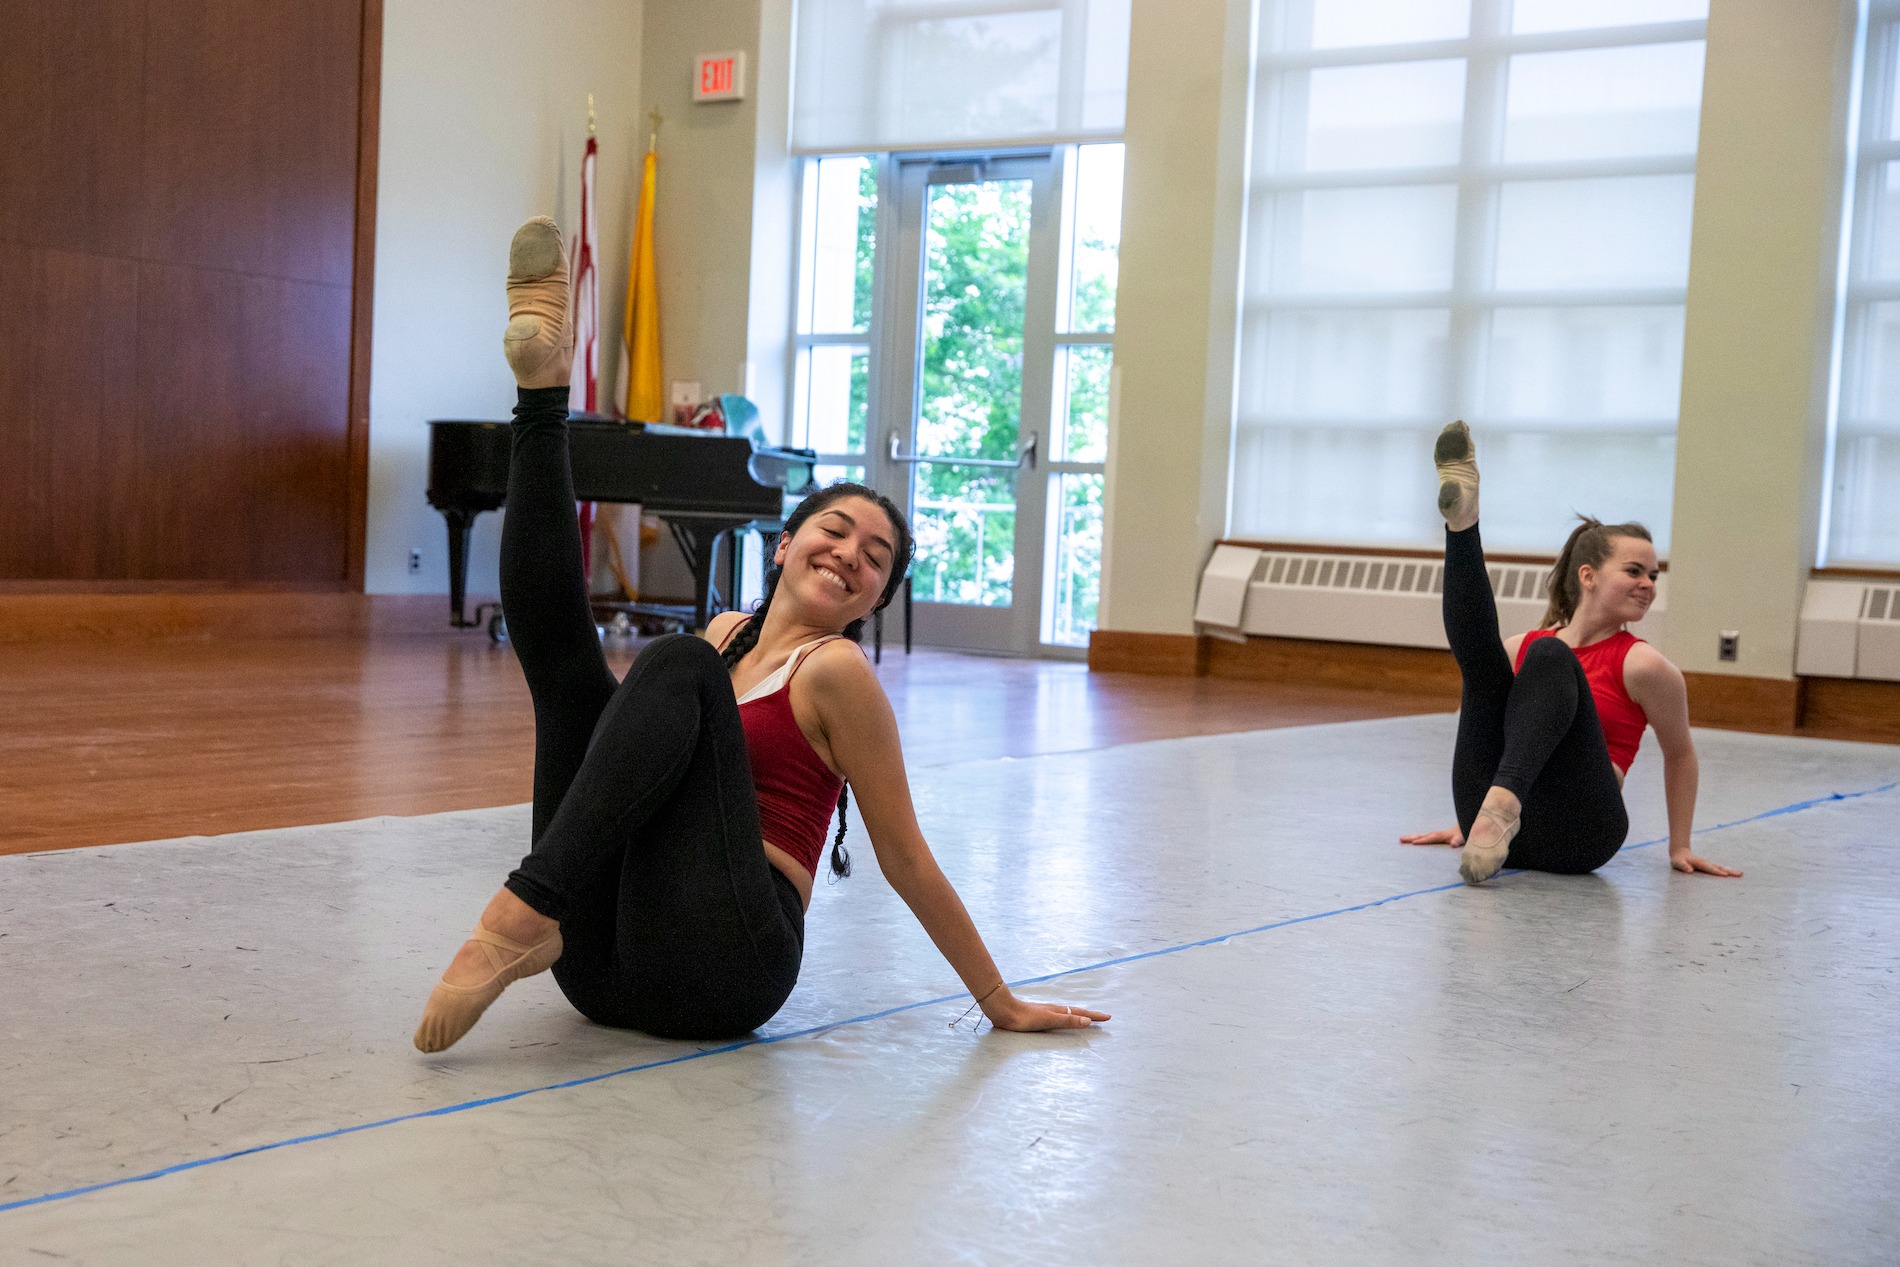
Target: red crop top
<point>797,791</point>
<point>1623,718</point>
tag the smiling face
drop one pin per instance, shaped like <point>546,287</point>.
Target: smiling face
<point>838,562</point>
<point>1623,586</point>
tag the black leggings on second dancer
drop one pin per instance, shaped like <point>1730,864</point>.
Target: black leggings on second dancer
<point>646,825</point>
<point>1534,732</point>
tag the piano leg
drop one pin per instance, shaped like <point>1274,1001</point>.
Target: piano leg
<point>698,553</point>
<point>733,565</point>
<point>461,524</point>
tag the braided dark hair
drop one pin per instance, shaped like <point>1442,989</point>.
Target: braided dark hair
<point>747,636</point>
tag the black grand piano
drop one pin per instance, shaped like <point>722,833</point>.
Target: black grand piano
<point>702,485</point>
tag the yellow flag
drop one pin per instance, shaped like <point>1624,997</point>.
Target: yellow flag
<point>640,361</point>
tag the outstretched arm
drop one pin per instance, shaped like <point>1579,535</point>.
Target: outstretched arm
<point>861,733</point>
<point>1657,685</point>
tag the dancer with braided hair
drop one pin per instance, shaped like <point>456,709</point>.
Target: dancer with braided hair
<point>1549,721</point>
<point>679,814</point>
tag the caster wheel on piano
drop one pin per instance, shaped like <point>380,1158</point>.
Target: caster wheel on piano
<point>498,630</point>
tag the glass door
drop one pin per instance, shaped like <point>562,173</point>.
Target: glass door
<point>967,406</point>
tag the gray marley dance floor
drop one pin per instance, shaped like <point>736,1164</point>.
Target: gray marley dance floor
<point>1324,1048</point>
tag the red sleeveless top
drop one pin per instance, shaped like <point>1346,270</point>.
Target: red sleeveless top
<point>797,791</point>
<point>1622,717</point>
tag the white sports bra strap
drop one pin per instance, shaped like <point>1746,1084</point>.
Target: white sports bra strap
<point>777,679</point>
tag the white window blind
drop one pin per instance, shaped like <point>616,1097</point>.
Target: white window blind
<point>1470,209</point>
<point>1863,524</point>
<point>880,75</point>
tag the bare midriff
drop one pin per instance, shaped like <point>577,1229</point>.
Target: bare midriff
<point>801,879</point>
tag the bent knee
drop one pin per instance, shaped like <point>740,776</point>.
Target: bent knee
<point>683,650</point>
<point>1549,651</point>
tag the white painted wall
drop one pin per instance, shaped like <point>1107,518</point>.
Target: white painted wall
<point>484,116</point>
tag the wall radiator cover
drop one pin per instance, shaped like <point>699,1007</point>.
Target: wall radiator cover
<point>1343,596</point>
<point>1850,629</point>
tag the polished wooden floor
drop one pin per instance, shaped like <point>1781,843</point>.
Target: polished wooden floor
<point>111,742</point>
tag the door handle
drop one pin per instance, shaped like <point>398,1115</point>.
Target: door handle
<point>1025,455</point>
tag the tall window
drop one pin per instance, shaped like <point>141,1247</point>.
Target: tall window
<point>1465,208</point>
<point>1085,355</point>
<point>1864,517</point>
<point>831,375</point>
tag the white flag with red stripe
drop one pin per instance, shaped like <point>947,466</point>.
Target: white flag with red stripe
<point>584,388</point>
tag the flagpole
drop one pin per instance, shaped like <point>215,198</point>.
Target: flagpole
<point>584,304</point>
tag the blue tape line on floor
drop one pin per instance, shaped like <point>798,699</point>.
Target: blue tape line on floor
<point>768,1039</point>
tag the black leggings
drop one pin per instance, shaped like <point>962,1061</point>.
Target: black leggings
<point>647,846</point>
<point>1534,732</point>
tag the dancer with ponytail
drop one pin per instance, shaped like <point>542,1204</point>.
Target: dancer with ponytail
<point>677,828</point>
<point>1549,721</point>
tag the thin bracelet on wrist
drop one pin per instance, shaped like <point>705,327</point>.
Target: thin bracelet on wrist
<point>978,1003</point>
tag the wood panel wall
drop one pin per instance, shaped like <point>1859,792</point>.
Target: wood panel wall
<point>181,289</point>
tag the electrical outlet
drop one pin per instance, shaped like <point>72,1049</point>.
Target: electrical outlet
<point>1729,643</point>
<point>415,565</point>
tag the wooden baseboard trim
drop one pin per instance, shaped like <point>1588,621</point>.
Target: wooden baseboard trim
<point>1822,708</point>
<point>1349,665</point>
<point>1168,655</point>
<point>1307,662</point>
<point>1850,708</point>
<point>12,588</point>
<point>1767,706</point>
<point>208,614</point>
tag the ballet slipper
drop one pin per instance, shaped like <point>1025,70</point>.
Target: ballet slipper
<point>1479,863</point>
<point>539,341</point>
<point>1457,463</point>
<point>452,1010</point>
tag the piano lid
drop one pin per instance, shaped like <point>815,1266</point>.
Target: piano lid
<point>676,470</point>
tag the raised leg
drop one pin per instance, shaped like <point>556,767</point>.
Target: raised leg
<point>544,596</point>
<point>1471,628</point>
<point>543,582</point>
<point>539,534</point>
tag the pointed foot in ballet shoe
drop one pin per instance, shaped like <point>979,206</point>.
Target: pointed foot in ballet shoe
<point>535,251</point>
<point>1457,461</point>
<point>1476,866</point>
<point>1481,860</point>
<point>539,341</point>
<point>452,1010</point>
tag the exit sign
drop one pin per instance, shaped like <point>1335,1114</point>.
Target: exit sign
<point>719,77</point>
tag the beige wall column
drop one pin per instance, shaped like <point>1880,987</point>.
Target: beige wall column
<point>1763,263</point>
<point>703,212</point>
<point>1174,316</point>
